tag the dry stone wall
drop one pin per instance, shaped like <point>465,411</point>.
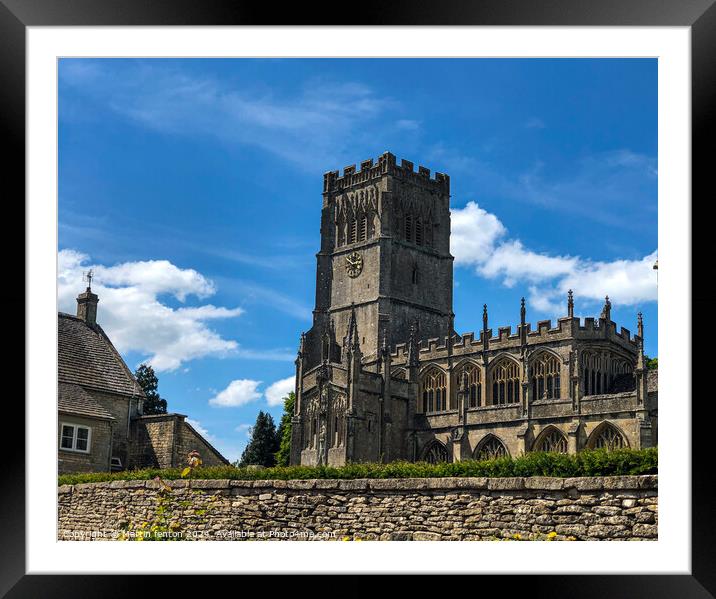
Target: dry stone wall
<point>605,508</point>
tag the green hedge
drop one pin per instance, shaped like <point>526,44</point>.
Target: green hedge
<point>598,462</point>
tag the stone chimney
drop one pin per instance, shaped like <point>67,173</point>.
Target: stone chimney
<point>87,306</point>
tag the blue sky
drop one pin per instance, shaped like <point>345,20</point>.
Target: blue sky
<point>193,188</point>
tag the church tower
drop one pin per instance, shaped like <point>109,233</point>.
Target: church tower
<point>385,253</point>
<point>384,275</point>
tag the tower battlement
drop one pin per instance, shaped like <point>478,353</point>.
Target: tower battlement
<point>566,329</point>
<point>387,164</point>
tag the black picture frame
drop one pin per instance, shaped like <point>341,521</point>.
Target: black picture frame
<point>699,15</point>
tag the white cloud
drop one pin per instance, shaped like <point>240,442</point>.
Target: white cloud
<point>515,263</point>
<point>278,390</point>
<point>474,232</point>
<point>309,126</point>
<point>244,428</point>
<point>479,240</point>
<point>627,281</point>
<point>238,393</point>
<point>132,312</point>
<point>199,428</point>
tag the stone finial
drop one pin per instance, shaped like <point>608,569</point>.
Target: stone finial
<point>570,304</point>
<point>384,349</point>
<point>640,325</point>
<point>352,341</point>
<point>464,381</point>
<point>413,359</point>
<point>484,317</point>
<point>523,312</point>
<point>607,310</point>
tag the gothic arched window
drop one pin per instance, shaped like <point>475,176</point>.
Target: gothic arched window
<point>594,374</point>
<point>606,436</point>
<point>545,376</point>
<point>551,439</point>
<point>435,453</point>
<point>434,391</point>
<point>490,448</point>
<point>505,382</point>
<point>474,384</point>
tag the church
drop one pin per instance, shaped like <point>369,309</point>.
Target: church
<point>382,375</point>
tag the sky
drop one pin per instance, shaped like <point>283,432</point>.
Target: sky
<point>192,188</point>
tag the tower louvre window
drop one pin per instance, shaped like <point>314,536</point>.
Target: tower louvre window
<point>363,228</point>
<point>340,233</point>
<point>418,231</point>
<point>353,232</point>
<point>408,228</point>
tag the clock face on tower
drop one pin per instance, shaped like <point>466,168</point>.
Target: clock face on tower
<point>354,264</point>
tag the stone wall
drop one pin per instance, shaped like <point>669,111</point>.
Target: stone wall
<point>98,456</point>
<point>605,508</point>
<point>165,440</point>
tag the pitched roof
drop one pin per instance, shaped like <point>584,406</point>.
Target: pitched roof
<point>86,357</point>
<point>73,399</point>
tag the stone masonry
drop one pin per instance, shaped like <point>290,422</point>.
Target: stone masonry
<point>382,375</point>
<point>600,508</point>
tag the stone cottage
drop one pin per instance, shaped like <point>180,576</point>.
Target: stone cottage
<point>100,424</point>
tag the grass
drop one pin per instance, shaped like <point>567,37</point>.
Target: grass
<point>597,462</point>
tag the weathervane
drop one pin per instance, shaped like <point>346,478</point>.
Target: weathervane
<point>88,276</point>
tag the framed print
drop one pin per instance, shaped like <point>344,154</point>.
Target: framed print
<point>507,164</point>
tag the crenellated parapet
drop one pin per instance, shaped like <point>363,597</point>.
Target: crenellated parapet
<point>335,182</point>
<point>566,329</point>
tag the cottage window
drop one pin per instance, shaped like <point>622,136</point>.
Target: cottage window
<point>75,437</point>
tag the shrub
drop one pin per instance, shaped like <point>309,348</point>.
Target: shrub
<point>597,462</point>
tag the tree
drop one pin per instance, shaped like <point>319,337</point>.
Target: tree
<point>283,455</point>
<point>264,443</point>
<point>148,381</point>
<point>651,363</point>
